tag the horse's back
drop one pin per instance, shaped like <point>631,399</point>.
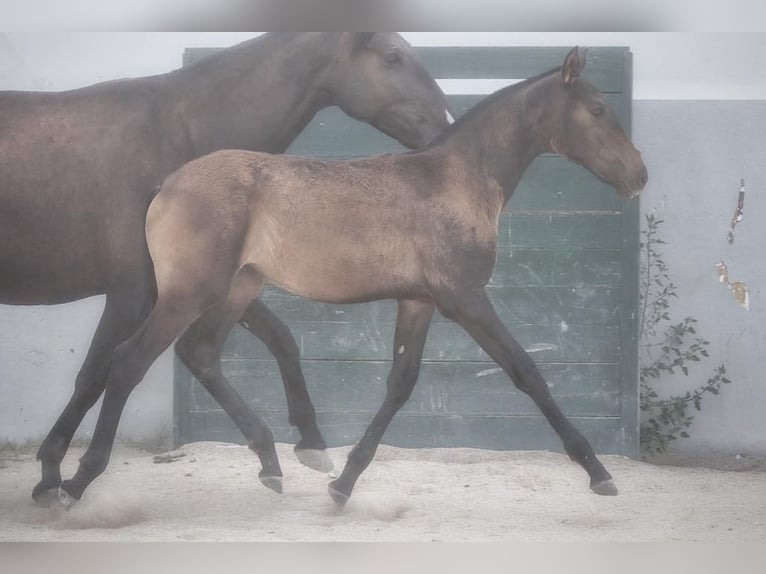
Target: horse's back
<point>77,169</point>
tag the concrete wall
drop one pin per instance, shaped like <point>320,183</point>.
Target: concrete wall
<point>696,152</point>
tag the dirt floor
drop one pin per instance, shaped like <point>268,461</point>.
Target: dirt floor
<point>210,492</point>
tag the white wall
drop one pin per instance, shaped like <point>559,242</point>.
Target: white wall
<point>41,349</point>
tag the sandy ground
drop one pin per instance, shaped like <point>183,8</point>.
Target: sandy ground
<point>212,493</point>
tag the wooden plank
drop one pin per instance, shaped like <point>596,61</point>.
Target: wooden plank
<point>446,341</point>
<point>428,431</point>
<point>446,387</point>
<point>629,304</point>
<point>579,305</point>
<point>564,231</point>
<point>554,184</point>
<point>604,65</point>
<point>553,267</point>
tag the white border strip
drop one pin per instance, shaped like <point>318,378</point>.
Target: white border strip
<point>474,86</point>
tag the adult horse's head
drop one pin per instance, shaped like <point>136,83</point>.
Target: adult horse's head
<point>383,82</point>
<point>591,135</point>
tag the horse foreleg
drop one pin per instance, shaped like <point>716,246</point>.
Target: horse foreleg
<point>412,323</point>
<point>475,313</point>
<point>311,449</point>
<point>200,350</point>
<point>121,317</point>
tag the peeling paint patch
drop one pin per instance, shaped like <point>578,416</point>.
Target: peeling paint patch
<point>738,288</point>
<point>723,272</point>
<point>741,293</point>
<point>738,212</point>
<point>563,326</point>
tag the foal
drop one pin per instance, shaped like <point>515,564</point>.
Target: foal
<point>418,227</point>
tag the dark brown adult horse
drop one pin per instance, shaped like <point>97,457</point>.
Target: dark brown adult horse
<point>78,170</point>
<point>419,227</point>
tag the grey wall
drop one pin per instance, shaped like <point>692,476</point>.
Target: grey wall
<point>696,152</point>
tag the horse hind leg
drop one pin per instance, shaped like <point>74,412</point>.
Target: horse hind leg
<point>200,350</point>
<point>179,303</point>
<point>311,449</point>
<point>130,362</point>
<point>123,313</point>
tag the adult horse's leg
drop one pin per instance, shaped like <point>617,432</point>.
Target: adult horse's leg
<point>311,448</point>
<point>200,350</point>
<point>475,313</point>
<point>412,323</point>
<point>177,307</point>
<point>122,315</point>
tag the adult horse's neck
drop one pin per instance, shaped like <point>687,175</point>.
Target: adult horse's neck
<point>258,95</point>
<point>502,135</point>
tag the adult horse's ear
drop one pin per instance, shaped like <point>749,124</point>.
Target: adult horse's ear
<point>573,64</point>
<point>361,39</point>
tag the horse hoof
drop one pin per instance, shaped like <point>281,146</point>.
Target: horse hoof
<point>604,488</point>
<point>338,497</point>
<point>54,498</point>
<point>315,459</point>
<point>44,493</point>
<point>272,482</point>
<point>45,498</point>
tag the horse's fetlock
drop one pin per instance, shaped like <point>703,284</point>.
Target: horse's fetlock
<point>93,465</point>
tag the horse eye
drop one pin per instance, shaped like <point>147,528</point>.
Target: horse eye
<point>597,111</point>
<point>392,58</point>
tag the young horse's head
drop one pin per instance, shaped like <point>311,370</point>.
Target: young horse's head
<point>382,82</point>
<point>590,134</point>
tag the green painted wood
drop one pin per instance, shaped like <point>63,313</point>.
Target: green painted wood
<point>581,305</point>
<point>444,387</point>
<point>565,284</point>
<point>629,304</point>
<point>606,434</point>
<point>604,65</point>
<point>364,340</point>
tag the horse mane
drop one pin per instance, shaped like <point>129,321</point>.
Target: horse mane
<point>490,100</point>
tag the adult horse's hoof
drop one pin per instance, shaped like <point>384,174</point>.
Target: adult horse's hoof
<point>272,482</point>
<point>44,493</point>
<point>315,459</point>
<point>54,498</point>
<point>338,497</point>
<point>604,488</point>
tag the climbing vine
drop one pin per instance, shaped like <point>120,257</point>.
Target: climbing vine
<point>666,348</point>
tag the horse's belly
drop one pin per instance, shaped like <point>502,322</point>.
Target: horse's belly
<point>51,258</point>
<point>24,283</point>
<point>333,279</point>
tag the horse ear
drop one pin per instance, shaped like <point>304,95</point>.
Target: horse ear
<point>573,65</point>
<point>361,39</point>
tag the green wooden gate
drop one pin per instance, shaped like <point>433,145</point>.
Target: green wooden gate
<point>565,284</point>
